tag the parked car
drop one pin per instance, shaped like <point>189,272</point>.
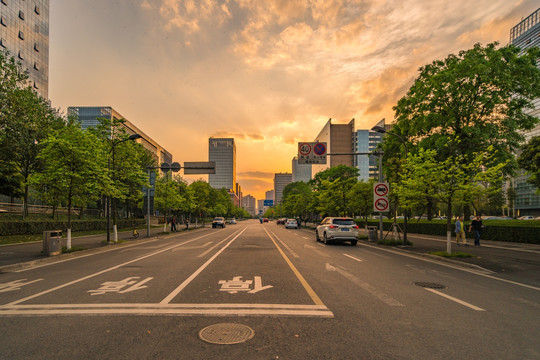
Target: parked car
<point>265,220</point>
<point>281,221</point>
<point>526,217</point>
<point>291,224</point>
<point>218,222</point>
<point>337,228</point>
<point>231,221</point>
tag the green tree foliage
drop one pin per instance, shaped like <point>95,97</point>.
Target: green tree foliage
<point>360,198</point>
<point>26,120</point>
<point>530,161</point>
<point>298,201</point>
<point>73,171</point>
<point>469,102</point>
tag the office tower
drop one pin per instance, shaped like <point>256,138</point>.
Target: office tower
<point>339,139</point>
<point>280,181</point>
<point>248,203</point>
<point>269,195</point>
<point>24,32</point>
<point>367,141</point>
<point>223,152</point>
<point>524,35</point>
<point>300,172</point>
<point>89,115</point>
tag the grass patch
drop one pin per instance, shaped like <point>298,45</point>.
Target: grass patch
<point>65,250</point>
<point>363,237</point>
<point>392,242</point>
<point>452,255</point>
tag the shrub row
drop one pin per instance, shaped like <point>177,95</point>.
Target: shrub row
<point>524,233</point>
<point>29,227</point>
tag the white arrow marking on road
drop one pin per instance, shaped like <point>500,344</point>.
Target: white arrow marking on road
<point>258,286</point>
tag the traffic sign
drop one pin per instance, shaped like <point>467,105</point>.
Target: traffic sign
<point>199,167</point>
<point>268,202</point>
<point>380,197</point>
<point>312,153</point>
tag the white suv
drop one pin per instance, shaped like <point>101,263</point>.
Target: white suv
<point>337,228</point>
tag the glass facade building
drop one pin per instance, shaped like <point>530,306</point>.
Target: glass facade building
<point>280,181</point>
<point>367,141</point>
<point>223,152</point>
<point>524,35</point>
<point>24,32</point>
<point>300,172</point>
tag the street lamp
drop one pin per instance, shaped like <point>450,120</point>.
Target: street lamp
<point>113,147</point>
<point>382,130</point>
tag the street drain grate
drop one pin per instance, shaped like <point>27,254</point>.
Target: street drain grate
<point>430,285</point>
<point>226,333</point>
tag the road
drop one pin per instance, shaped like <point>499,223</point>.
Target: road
<point>277,292</point>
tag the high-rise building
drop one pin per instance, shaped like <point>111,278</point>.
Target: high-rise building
<point>269,195</point>
<point>524,35</point>
<point>24,32</point>
<point>89,117</point>
<point>300,172</point>
<point>280,181</point>
<point>248,203</point>
<point>223,152</point>
<point>366,141</point>
<point>339,139</point>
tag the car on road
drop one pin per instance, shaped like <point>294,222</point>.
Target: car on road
<point>281,221</point>
<point>336,229</point>
<point>265,220</point>
<point>218,222</point>
<point>526,217</point>
<point>291,224</point>
<point>231,221</point>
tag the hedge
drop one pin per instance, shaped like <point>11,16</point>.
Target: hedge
<point>520,231</point>
<point>29,227</point>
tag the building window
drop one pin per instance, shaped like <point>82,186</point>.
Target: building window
<point>36,9</point>
<point>21,55</point>
<point>36,47</point>
<point>3,21</point>
<point>21,35</point>
<point>36,66</point>
<point>3,42</point>
<point>21,15</point>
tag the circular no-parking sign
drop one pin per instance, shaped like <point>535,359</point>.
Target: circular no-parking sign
<point>304,149</point>
<point>381,205</point>
<point>381,189</point>
<point>319,149</point>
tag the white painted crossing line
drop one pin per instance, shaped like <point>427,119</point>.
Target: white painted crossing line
<point>169,309</point>
<point>455,300</point>
<point>352,257</point>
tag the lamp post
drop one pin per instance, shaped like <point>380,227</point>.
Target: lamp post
<point>382,130</point>
<point>113,147</point>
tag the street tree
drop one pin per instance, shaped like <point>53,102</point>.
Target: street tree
<point>72,169</point>
<point>530,161</point>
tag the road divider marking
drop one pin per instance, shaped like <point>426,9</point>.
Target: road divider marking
<point>105,271</point>
<point>313,248</point>
<point>352,257</point>
<point>193,247</point>
<point>302,280</point>
<point>285,245</point>
<point>186,282</point>
<point>365,286</point>
<point>455,299</point>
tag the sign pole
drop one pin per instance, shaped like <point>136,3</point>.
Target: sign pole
<point>381,232</point>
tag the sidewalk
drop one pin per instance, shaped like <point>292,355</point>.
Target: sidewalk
<point>32,251</point>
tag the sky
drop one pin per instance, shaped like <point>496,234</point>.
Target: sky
<point>267,73</point>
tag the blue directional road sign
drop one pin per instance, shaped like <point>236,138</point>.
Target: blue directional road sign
<point>268,203</point>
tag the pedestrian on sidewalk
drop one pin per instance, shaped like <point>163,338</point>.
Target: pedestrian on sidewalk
<point>476,226</point>
<point>460,232</point>
<point>173,224</point>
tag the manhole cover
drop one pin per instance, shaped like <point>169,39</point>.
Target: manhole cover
<point>226,333</point>
<point>430,285</point>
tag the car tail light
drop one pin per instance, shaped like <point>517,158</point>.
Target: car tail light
<point>356,227</point>
<point>333,226</point>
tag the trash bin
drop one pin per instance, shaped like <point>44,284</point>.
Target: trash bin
<point>372,233</point>
<point>52,242</point>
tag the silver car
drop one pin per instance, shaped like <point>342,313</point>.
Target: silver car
<point>337,228</point>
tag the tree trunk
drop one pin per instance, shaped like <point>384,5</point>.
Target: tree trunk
<point>449,227</point>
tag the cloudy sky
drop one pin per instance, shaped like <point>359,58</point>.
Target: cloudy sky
<point>268,73</point>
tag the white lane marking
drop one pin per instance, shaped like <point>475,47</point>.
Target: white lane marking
<point>352,257</point>
<point>303,237</point>
<point>104,271</point>
<point>321,253</point>
<point>212,248</point>
<point>170,309</point>
<point>285,245</point>
<point>370,289</point>
<point>455,299</point>
<point>186,282</point>
<point>455,267</point>
<point>194,247</point>
<point>321,244</point>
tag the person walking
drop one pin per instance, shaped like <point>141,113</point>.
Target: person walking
<point>476,226</point>
<point>460,232</point>
<point>173,224</point>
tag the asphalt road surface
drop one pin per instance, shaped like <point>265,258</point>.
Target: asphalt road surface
<point>259,291</point>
